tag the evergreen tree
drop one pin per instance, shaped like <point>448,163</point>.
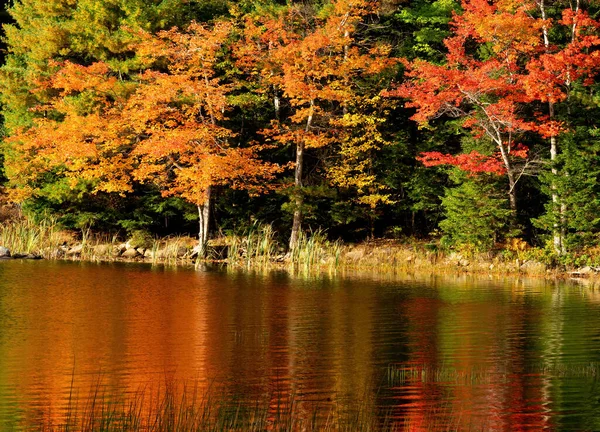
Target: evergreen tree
<point>477,213</point>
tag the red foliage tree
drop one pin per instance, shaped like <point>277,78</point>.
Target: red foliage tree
<point>488,92</point>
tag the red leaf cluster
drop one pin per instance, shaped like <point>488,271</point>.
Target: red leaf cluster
<point>473,162</point>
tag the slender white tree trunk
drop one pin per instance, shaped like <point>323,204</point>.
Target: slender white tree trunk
<point>558,208</point>
<point>204,219</point>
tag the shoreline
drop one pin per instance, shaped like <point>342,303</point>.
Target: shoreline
<point>375,257</point>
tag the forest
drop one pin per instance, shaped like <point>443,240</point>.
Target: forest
<point>471,125</point>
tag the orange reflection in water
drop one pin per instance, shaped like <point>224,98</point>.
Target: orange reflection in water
<point>323,344</point>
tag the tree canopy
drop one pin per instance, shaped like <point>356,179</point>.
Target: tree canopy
<point>367,119</point>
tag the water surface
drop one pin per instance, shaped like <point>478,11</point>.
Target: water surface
<point>425,352</point>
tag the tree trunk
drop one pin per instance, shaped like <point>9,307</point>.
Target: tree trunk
<point>299,198</point>
<point>512,192</point>
<point>558,235</point>
<point>512,183</point>
<point>276,103</point>
<point>558,208</point>
<point>204,218</point>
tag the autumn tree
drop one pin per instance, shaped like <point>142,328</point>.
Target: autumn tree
<point>497,65</point>
<point>80,32</point>
<point>558,77</point>
<point>82,140</point>
<point>312,61</point>
<point>353,164</point>
<point>177,116</point>
<point>484,92</point>
<point>42,36</point>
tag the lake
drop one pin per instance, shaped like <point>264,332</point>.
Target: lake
<point>410,352</point>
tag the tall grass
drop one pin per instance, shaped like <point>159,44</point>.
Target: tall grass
<point>315,251</point>
<point>188,410</point>
<point>26,237</point>
<point>257,245</point>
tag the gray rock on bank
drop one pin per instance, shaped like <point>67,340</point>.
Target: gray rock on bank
<point>4,253</point>
<point>75,250</point>
<point>130,253</point>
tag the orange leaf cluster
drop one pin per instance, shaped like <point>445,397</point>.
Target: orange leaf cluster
<point>164,127</point>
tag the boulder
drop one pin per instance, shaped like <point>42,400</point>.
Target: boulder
<point>105,250</point>
<point>532,267</point>
<point>4,252</point>
<point>130,253</point>
<point>586,270</point>
<point>75,250</point>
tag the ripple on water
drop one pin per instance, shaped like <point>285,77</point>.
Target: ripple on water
<point>431,353</point>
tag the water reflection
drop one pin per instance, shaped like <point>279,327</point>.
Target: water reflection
<point>429,353</point>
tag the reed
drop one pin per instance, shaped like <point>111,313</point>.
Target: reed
<point>99,248</point>
<point>177,409</point>
<point>24,236</point>
<point>316,251</point>
<point>257,245</point>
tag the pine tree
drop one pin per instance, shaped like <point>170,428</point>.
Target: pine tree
<point>477,214</point>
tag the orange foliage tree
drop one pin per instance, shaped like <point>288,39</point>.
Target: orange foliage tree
<point>179,112</point>
<point>79,136</point>
<point>314,63</point>
<point>163,127</point>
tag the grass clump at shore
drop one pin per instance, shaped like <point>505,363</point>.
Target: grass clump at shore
<point>256,245</point>
<point>25,236</point>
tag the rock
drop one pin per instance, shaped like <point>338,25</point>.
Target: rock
<point>586,270</point>
<point>532,267</point>
<point>141,251</point>
<point>4,252</point>
<point>33,257</point>
<point>130,253</point>
<point>75,250</point>
<point>464,263</point>
<point>104,250</point>
<point>182,251</point>
<point>19,255</point>
<point>148,253</point>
